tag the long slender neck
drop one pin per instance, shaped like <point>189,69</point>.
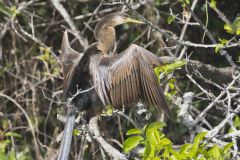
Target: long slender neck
<point>105,35</point>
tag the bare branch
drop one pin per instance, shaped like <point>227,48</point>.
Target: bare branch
<point>83,42</point>
<point>112,152</point>
<point>210,36</point>
<point>208,71</point>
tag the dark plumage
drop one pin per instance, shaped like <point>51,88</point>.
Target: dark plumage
<point>119,79</point>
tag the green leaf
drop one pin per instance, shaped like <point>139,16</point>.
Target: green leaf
<point>236,25</point>
<point>108,111</point>
<point>14,11</point>
<point>76,132</point>
<point>228,28</point>
<point>3,156</point>
<point>131,143</point>
<point>149,152</point>
<point>11,12</point>
<point>223,41</point>
<point>238,31</point>
<point>233,28</point>
<point>236,122</point>
<point>172,80</point>
<point>175,155</point>
<point>213,3</point>
<point>227,147</point>
<point>170,67</point>
<point>221,44</point>
<point>227,150</point>
<point>183,2</point>
<point>3,145</point>
<point>197,139</point>
<point>153,137</point>
<point>5,124</point>
<point>133,131</point>
<point>167,149</point>
<point>156,125</point>
<point>4,9</point>
<point>185,148</point>
<point>165,141</point>
<point>173,92</point>
<point>14,134</point>
<point>215,153</point>
<point>171,83</point>
<point>157,72</point>
<point>46,56</point>
<point>170,19</point>
<point>11,154</point>
<point>217,48</point>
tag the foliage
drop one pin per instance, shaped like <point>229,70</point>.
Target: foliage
<point>213,3</point>
<point>170,19</point>
<point>157,146</point>
<point>31,74</point>
<point>52,67</point>
<point>11,154</point>
<point>233,28</point>
<point>108,110</point>
<point>9,11</point>
<point>163,70</point>
<point>169,67</point>
<point>236,124</point>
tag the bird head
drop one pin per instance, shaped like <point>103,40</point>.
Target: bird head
<point>121,18</point>
<point>105,32</point>
<point>114,19</point>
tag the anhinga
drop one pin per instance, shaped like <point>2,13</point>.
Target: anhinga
<point>118,79</point>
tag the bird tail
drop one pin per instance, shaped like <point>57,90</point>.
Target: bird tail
<point>67,135</point>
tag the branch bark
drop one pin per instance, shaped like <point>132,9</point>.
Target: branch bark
<point>217,75</point>
<point>112,152</point>
<point>83,42</point>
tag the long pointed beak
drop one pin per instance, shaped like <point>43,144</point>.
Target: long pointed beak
<point>133,21</point>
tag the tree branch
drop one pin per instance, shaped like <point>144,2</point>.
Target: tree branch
<point>206,70</point>
<point>112,152</point>
<point>210,36</point>
<point>83,42</point>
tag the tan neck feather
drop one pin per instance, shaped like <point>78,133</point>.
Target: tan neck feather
<point>106,39</point>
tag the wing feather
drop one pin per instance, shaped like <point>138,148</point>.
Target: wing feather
<point>131,78</point>
<point>70,59</point>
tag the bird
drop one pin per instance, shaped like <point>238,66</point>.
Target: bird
<point>118,79</point>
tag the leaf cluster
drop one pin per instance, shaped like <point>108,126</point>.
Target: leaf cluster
<point>157,146</point>
<point>6,141</point>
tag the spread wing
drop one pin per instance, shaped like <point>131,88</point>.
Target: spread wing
<point>70,59</point>
<point>128,78</point>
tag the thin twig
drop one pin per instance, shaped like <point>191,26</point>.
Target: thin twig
<point>112,152</point>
